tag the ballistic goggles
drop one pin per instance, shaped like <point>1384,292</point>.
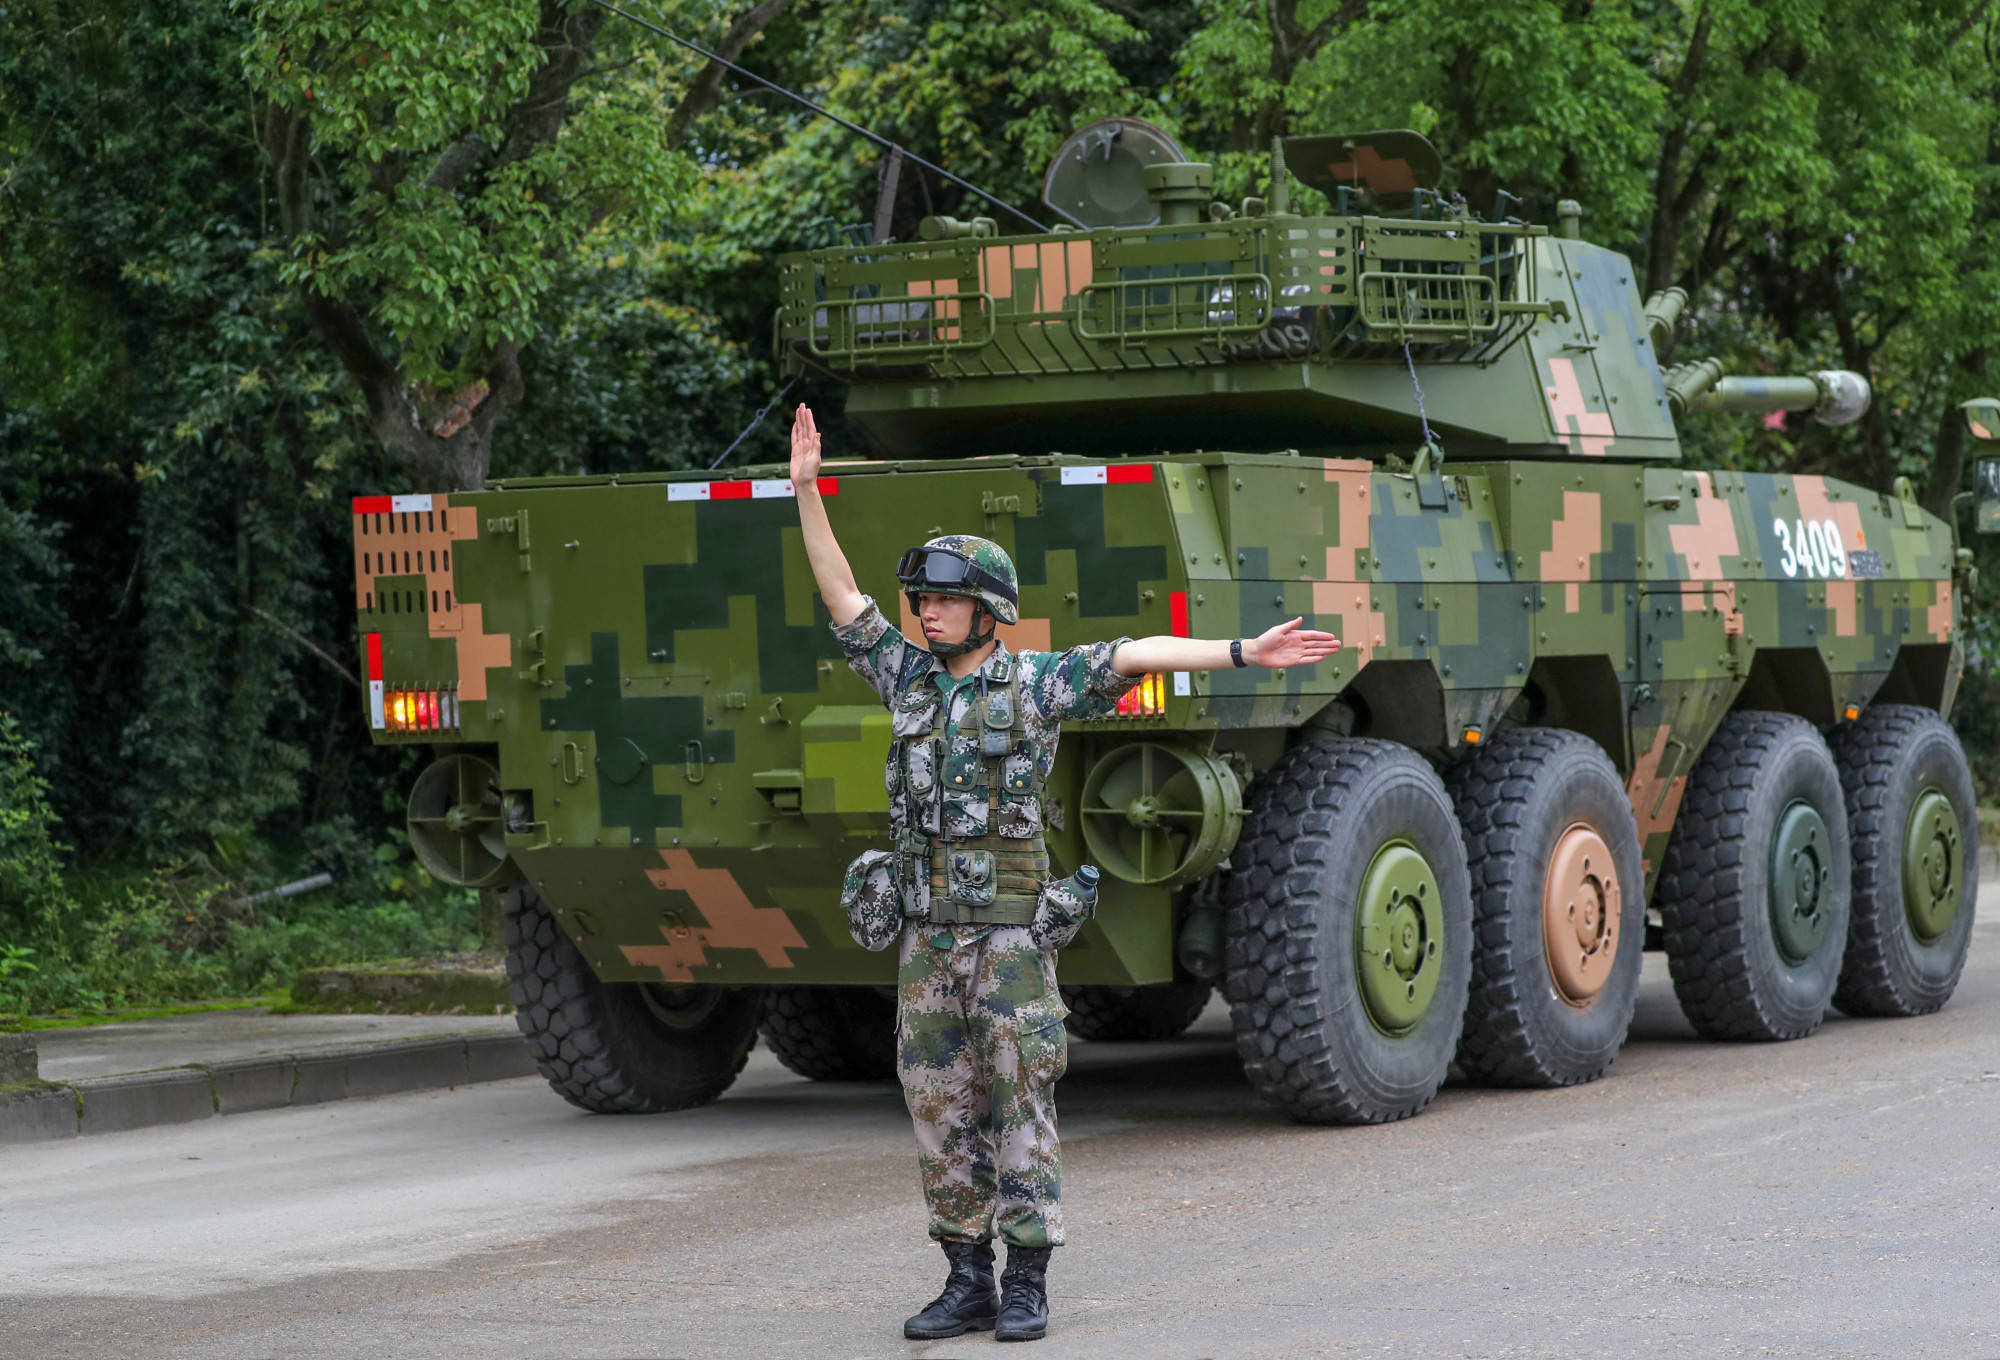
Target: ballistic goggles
<point>949,572</point>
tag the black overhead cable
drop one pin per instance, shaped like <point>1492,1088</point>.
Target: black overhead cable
<point>755,421</point>
<point>881,141</point>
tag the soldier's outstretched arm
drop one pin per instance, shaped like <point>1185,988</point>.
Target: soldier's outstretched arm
<point>1286,644</point>
<point>844,600</point>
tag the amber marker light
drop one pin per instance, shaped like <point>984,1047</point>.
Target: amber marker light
<point>1853,711</point>
<point>1473,736</point>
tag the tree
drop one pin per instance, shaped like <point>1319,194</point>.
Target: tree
<point>435,166</point>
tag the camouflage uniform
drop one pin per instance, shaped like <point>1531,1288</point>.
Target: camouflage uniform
<point>981,1040</point>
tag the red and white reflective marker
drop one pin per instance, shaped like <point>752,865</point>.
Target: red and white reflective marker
<point>1113,474</point>
<point>1177,624</point>
<point>392,505</point>
<point>776,489</point>
<point>376,718</point>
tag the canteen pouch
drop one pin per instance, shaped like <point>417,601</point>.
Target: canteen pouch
<point>872,900</point>
<point>1060,912</point>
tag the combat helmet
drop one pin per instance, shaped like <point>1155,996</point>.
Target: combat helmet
<point>963,564</point>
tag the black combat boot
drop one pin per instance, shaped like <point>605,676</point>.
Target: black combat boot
<point>1024,1295</point>
<point>968,1303</point>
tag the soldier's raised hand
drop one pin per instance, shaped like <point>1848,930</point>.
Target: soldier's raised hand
<point>805,449</point>
<point>1287,644</point>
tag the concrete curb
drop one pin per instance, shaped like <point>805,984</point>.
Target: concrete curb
<point>181,1094</point>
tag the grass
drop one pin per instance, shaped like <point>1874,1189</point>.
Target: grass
<point>72,1019</point>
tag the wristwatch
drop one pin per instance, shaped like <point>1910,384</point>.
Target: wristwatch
<point>1236,653</point>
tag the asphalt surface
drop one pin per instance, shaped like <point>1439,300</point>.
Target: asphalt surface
<point>1835,1197</point>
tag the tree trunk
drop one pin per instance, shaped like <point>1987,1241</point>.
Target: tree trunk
<point>1947,470</point>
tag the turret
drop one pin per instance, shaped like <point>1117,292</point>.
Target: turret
<point>1350,309</point>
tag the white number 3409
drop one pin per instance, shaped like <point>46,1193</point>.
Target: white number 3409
<point>1810,546</point>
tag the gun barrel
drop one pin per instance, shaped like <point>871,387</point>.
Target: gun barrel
<point>1834,396</point>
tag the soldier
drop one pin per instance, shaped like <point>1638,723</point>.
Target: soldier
<point>979,1021</point>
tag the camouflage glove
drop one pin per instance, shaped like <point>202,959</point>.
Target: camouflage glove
<point>1060,912</point>
<point>874,908</point>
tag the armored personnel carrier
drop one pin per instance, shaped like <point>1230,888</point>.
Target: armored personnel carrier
<point>1589,698</point>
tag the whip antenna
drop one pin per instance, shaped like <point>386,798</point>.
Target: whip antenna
<point>795,96</point>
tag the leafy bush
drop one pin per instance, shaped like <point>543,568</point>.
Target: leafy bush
<point>32,896</point>
<point>139,936</point>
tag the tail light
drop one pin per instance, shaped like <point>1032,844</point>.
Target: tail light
<point>1147,699</point>
<point>420,710</point>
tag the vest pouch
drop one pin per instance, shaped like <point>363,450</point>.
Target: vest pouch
<point>920,758</point>
<point>973,880</point>
<point>996,728</point>
<point>961,771</point>
<point>1017,771</point>
<point>873,900</point>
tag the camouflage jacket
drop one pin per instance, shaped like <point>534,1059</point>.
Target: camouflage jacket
<point>933,732</point>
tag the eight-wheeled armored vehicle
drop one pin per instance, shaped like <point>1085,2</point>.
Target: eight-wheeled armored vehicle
<point>1587,697</point>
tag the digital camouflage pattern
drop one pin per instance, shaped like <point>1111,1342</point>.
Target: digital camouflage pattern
<point>934,774</point>
<point>980,1024</point>
<point>1060,912</point>
<point>988,556</point>
<point>646,663</point>
<point>981,1045</point>
<point>868,895</point>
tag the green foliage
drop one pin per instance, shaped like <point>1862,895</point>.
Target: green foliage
<point>17,966</point>
<point>188,932</point>
<point>622,379</point>
<point>33,900</point>
<point>452,220</point>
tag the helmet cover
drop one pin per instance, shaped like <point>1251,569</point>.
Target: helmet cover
<point>991,580</point>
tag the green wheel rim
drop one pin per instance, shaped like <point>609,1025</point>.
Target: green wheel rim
<point>1801,882</point>
<point>1933,866</point>
<point>1398,925</point>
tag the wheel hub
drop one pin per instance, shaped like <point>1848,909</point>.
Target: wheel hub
<point>680,1007</point>
<point>1933,865</point>
<point>1398,924</point>
<point>1801,882</point>
<point>1581,905</point>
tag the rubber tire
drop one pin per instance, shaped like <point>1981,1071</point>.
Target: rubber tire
<point>1312,826</point>
<point>1131,1014</point>
<point>831,1033</point>
<point>1515,797</point>
<point>1721,950</point>
<point>599,1044</point>
<point>1886,757</point>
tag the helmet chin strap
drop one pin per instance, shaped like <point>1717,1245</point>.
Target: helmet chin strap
<point>974,639</point>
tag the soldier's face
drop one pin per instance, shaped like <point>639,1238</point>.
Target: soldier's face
<point>945,616</point>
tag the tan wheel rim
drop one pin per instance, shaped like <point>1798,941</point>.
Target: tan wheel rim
<point>1580,912</point>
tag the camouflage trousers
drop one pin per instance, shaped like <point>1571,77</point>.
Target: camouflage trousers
<point>980,1046</point>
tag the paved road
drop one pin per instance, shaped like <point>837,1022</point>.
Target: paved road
<point>1837,1197</point>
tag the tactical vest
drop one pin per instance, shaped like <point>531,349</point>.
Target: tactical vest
<point>952,878</point>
